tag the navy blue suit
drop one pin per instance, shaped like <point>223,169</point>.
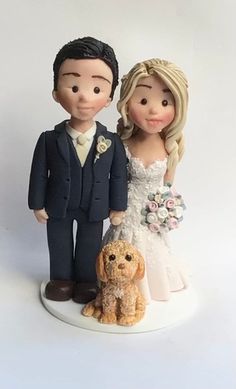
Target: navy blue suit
<point>71,192</point>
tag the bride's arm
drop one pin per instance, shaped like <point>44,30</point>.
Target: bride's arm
<point>169,176</point>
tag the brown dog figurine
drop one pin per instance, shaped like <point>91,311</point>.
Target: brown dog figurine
<point>119,301</point>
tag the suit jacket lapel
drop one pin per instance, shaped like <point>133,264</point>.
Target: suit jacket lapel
<point>92,152</point>
<point>100,130</point>
<point>62,141</point>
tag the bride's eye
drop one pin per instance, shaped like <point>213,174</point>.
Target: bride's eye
<point>143,101</point>
<point>96,90</point>
<point>164,103</point>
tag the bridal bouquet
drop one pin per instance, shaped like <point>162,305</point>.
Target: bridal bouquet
<point>164,210</point>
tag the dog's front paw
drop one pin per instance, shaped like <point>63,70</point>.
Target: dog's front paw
<point>126,320</point>
<point>88,309</point>
<point>108,318</point>
<point>97,313</point>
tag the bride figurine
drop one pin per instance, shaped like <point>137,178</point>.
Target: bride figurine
<point>153,104</point>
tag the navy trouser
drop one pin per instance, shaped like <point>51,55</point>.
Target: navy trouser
<point>71,260</point>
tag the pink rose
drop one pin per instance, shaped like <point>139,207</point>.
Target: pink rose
<point>170,203</point>
<point>173,223</point>
<point>153,206</point>
<point>154,227</point>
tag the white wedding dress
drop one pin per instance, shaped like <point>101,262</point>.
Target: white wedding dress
<point>163,274</point>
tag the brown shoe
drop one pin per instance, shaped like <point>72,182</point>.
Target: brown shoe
<point>85,292</point>
<point>59,290</point>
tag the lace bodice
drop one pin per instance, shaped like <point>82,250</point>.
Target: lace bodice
<point>145,178</point>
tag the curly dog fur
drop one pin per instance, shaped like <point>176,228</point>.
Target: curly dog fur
<point>119,301</point>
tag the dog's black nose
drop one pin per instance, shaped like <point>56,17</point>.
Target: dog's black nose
<point>121,266</point>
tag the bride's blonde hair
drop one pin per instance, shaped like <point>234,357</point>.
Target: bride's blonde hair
<point>176,81</point>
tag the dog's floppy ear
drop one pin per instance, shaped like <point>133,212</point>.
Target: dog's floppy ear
<point>100,267</point>
<point>141,267</point>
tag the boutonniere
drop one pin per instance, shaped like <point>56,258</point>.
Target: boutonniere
<point>102,146</point>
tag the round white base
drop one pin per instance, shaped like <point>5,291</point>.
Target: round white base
<point>158,314</point>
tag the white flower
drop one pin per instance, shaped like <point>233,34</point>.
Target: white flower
<point>157,198</point>
<point>164,189</point>
<point>162,213</point>
<point>178,201</point>
<point>178,212</point>
<point>152,217</point>
<point>102,146</point>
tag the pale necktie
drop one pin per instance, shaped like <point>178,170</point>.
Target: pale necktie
<point>82,148</point>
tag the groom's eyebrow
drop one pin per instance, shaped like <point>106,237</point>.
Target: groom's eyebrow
<point>101,78</point>
<point>72,74</point>
<point>93,76</point>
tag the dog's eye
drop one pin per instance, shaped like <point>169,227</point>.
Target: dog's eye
<point>128,257</point>
<point>112,257</point>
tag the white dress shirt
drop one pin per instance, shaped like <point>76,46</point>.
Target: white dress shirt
<point>84,146</point>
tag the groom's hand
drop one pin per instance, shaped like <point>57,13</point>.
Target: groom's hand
<point>116,217</point>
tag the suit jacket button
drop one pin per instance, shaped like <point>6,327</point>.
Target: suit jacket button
<point>65,197</point>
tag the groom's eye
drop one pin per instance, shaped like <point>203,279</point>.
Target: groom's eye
<point>75,89</point>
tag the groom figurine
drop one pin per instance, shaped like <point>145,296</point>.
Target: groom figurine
<point>78,170</point>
